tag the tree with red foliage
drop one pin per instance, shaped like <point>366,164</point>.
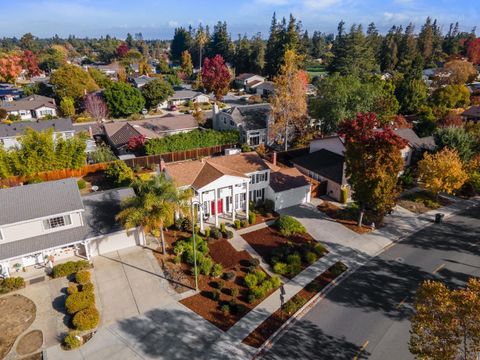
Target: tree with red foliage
<point>450,120</point>
<point>136,142</point>
<point>373,161</point>
<point>400,122</point>
<point>10,67</point>
<point>30,63</point>
<point>215,76</point>
<point>122,50</point>
<point>473,51</point>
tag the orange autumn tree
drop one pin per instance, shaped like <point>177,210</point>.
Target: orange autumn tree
<point>442,172</point>
<point>10,67</point>
<point>289,104</point>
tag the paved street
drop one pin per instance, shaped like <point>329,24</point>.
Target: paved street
<point>369,311</point>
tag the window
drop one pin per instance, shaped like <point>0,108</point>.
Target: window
<point>58,221</point>
<point>1,235</point>
<point>252,179</point>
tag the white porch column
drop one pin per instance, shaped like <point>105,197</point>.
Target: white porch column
<point>86,244</point>
<point>216,207</point>
<point>247,198</point>
<point>200,208</point>
<point>233,204</point>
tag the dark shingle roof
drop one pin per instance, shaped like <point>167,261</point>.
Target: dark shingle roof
<point>323,162</point>
<point>472,112</point>
<point>99,219</point>
<point>286,179</point>
<point>31,102</point>
<point>251,117</point>
<point>34,201</point>
<point>413,139</point>
<point>18,128</point>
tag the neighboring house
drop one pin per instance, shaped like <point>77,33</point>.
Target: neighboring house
<point>182,97</point>
<point>248,82</point>
<point>94,131</point>
<point>111,70</point>
<point>32,107</point>
<point>472,114</point>
<point>9,133</point>
<point>118,133</point>
<point>416,146</point>
<point>252,121</point>
<point>47,222</point>
<point>225,185</point>
<point>326,171</point>
<point>8,92</point>
<point>288,187</point>
<point>141,81</point>
<point>265,89</point>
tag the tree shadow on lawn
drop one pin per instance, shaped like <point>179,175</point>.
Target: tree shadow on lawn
<point>307,341</point>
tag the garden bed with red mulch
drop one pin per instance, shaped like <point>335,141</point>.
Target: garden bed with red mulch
<point>267,240</point>
<point>343,217</point>
<point>267,328</point>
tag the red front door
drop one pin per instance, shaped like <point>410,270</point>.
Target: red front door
<point>220,207</point>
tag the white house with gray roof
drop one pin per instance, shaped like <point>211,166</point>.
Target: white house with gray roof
<point>31,108</point>
<point>182,97</point>
<point>9,133</point>
<point>44,223</point>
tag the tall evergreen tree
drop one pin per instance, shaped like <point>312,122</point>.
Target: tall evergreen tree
<point>389,54</point>
<point>374,41</point>
<point>221,43</point>
<point>273,52</point>
<point>257,54</point>
<point>408,48</point>
<point>181,41</point>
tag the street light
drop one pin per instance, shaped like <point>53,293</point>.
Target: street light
<point>195,202</point>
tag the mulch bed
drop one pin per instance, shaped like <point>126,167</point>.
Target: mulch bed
<point>97,179</point>
<point>267,328</point>
<point>30,342</point>
<point>222,252</point>
<point>17,313</point>
<point>421,202</point>
<point>341,216</point>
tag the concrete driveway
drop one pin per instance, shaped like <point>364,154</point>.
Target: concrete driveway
<point>129,282</point>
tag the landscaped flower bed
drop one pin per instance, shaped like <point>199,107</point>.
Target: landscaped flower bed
<point>266,329</point>
<point>421,201</point>
<point>347,217</point>
<point>287,253</point>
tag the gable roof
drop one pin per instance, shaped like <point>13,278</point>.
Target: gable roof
<point>245,76</point>
<point>413,139</point>
<point>472,112</point>
<point>251,117</point>
<point>201,173</point>
<point>185,95</point>
<point>286,179</point>
<point>29,103</point>
<point>34,201</point>
<point>323,162</point>
<point>18,127</point>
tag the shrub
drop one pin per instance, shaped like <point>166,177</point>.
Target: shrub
<point>338,268</point>
<point>177,259</point>
<point>72,289</point>
<point>234,292</point>
<point>253,262</point>
<point>69,268</point>
<point>119,174</point>
<point>280,268</point>
<point>229,276</point>
<point>223,228</point>
<point>183,224</point>
<point>205,264</point>
<point>252,218</point>
<point>289,226</point>
<point>207,233</point>
<point>319,249</point>
<point>215,233</point>
<point>251,280</point>
<point>220,284</point>
<point>275,281</point>
<point>72,340</point>
<point>82,184</point>
<point>225,309</point>
<point>294,259</point>
<point>82,277</point>
<point>86,319</point>
<point>343,195</point>
<point>228,234</point>
<point>79,301</point>
<point>261,276</point>
<point>243,223</point>
<point>294,304</point>
<point>215,295</point>
<point>87,287</point>
<point>11,284</point>
<point>217,270</point>
<point>246,148</point>
<point>310,257</point>
<point>237,224</point>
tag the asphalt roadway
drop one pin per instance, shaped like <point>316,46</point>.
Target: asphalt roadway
<point>367,315</point>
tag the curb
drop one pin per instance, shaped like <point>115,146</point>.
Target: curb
<point>319,296</point>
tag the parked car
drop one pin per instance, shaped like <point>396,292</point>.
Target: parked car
<point>173,108</point>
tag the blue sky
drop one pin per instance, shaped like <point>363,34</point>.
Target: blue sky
<point>157,19</point>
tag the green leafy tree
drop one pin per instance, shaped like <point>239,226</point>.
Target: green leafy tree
<point>373,161</point>
<point>451,96</point>
<point>411,93</point>
<point>156,92</point>
<point>67,106</point>
<point>102,80</point>
<point>123,99</point>
<point>187,66</point>
<point>154,206</point>
<point>71,81</point>
<point>52,59</point>
<point>119,174</point>
<point>457,138</point>
<point>181,41</point>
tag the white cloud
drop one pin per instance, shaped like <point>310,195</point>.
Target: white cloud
<point>172,24</point>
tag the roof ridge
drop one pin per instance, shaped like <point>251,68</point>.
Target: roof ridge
<point>220,167</point>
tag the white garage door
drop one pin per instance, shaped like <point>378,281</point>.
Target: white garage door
<point>292,197</point>
<point>113,242</point>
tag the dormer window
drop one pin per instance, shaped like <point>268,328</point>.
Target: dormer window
<point>58,221</point>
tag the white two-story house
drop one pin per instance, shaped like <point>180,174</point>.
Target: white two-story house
<point>41,224</point>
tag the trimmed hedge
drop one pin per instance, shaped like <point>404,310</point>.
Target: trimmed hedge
<point>82,277</point>
<point>71,341</point>
<point>79,301</point>
<point>87,287</point>
<point>11,284</point>
<point>86,319</point>
<point>72,289</point>
<point>289,226</point>
<point>192,140</point>
<point>69,268</point>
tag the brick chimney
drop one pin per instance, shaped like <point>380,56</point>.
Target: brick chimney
<point>274,158</point>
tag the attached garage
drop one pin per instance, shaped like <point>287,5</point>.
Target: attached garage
<point>288,187</point>
<point>115,241</point>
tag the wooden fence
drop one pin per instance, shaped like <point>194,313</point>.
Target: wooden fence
<point>142,161</point>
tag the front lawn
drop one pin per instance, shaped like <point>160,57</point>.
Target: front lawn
<point>230,282</point>
<point>422,201</point>
<point>288,254</point>
<point>348,217</point>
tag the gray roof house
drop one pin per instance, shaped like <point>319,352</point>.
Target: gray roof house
<point>9,133</point>
<point>50,221</point>
<point>31,108</point>
<point>142,80</point>
<point>252,121</point>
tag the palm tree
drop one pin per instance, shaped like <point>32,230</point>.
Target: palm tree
<point>154,206</point>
